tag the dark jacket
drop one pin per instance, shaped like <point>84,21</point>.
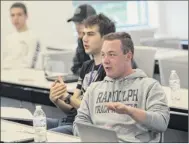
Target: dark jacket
<point>79,58</point>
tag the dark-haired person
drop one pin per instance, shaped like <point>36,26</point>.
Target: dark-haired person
<point>22,47</point>
<point>81,13</point>
<point>126,101</point>
<point>96,27</point>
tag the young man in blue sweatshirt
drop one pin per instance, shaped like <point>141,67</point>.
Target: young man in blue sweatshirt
<point>126,101</point>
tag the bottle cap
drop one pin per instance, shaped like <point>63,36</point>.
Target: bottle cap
<point>173,71</point>
<point>38,107</point>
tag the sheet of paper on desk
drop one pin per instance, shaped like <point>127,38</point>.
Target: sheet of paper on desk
<point>16,113</point>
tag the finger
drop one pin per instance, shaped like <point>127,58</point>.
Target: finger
<point>59,93</point>
<point>54,83</point>
<point>60,80</point>
<point>117,104</point>
<point>118,107</point>
<point>59,88</point>
<point>56,97</point>
<point>110,106</point>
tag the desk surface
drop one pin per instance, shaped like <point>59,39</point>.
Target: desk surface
<point>182,103</point>
<point>165,52</point>
<point>30,77</point>
<point>35,78</point>
<point>17,128</point>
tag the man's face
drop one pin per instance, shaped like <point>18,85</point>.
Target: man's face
<point>18,18</point>
<point>114,61</point>
<point>92,40</point>
<point>79,28</point>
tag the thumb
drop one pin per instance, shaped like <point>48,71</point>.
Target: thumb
<point>54,83</point>
<point>60,80</point>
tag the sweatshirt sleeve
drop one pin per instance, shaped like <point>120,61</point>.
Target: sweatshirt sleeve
<point>33,52</point>
<point>83,113</point>
<point>157,110</point>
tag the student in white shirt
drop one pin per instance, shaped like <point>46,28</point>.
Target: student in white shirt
<point>22,47</point>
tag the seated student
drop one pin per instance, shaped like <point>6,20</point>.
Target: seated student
<point>81,13</point>
<point>126,101</point>
<point>96,27</point>
<point>22,47</point>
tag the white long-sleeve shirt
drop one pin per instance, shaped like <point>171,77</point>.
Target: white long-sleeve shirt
<point>19,50</point>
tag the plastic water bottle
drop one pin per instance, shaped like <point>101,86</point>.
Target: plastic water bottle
<point>40,125</point>
<point>174,83</point>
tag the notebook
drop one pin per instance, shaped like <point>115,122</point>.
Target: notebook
<point>92,133</point>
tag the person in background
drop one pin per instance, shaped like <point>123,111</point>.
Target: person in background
<point>126,101</point>
<point>95,27</point>
<point>81,13</point>
<point>22,47</point>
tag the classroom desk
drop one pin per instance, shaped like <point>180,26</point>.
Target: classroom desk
<point>30,78</point>
<point>165,52</point>
<point>16,128</point>
<point>168,52</point>
<point>30,85</point>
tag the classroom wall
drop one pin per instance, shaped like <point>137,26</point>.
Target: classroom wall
<point>48,20</point>
<point>173,18</point>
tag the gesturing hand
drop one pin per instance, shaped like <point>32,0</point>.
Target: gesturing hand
<point>57,90</point>
<point>118,107</point>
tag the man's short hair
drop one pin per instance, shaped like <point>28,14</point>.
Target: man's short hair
<point>125,38</point>
<point>20,5</point>
<point>103,22</point>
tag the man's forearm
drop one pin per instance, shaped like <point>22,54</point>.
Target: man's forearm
<point>63,106</point>
<point>75,102</point>
<point>138,115</point>
<point>152,120</point>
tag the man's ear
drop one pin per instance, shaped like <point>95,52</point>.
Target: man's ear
<point>129,56</point>
<point>26,16</point>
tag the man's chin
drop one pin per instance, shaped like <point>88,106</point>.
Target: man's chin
<point>88,52</point>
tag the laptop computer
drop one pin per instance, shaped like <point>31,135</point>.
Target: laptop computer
<point>92,133</point>
<point>68,78</point>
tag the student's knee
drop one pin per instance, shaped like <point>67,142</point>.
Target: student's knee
<point>66,129</point>
<point>52,123</point>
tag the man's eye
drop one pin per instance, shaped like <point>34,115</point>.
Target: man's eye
<point>112,54</point>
